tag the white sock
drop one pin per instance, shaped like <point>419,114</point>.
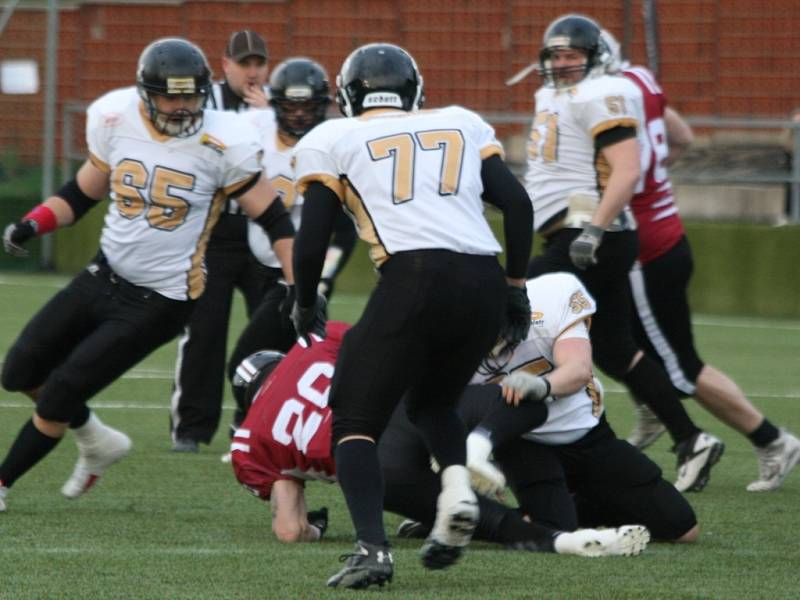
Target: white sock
<point>479,447</point>
<point>88,433</point>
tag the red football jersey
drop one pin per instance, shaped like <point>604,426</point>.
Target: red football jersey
<point>287,432</point>
<point>653,205</point>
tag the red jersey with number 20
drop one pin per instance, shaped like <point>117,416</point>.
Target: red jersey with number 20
<point>653,205</point>
<point>287,432</point>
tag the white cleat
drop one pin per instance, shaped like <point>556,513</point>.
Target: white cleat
<point>647,429</point>
<point>775,462</point>
<point>94,459</point>
<point>628,540</point>
<point>485,478</point>
<point>696,456</point>
<point>3,494</point>
<point>226,458</point>
<point>457,516</point>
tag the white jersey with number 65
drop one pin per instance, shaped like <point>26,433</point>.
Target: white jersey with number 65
<point>410,180</point>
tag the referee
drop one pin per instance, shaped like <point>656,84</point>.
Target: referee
<point>197,395</point>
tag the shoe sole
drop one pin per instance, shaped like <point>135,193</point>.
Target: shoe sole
<point>361,579</point>
<point>703,477</point>
<point>484,484</point>
<point>634,540</point>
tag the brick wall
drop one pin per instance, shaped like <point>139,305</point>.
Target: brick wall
<point>718,57</point>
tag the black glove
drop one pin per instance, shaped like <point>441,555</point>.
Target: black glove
<point>517,321</point>
<point>286,305</point>
<point>582,249</point>
<point>17,234</point>
<point>310,319</point>
<point>319,519</point>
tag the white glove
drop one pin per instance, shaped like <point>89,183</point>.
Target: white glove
<point>525,387</point>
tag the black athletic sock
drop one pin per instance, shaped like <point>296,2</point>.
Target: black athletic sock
<point>764,434</point>
<point>359,475</point>
<point>80,417</point>
<point>510,422</point>
<point>29,448</point>
<point>649,383</point>
<point>444,433</point>
<point>517,532</point>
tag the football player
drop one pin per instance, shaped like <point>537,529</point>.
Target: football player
<point>583,167</point>
<point>285,442</point>
<point>300,96</point>
<point>414,181</point>
<point>168,164</point>
<point>565,464</point>
<point>660,280</point>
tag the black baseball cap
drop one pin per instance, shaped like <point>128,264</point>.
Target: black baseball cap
<point>246,43</point>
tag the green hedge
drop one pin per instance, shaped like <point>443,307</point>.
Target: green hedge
<point>739,268</point>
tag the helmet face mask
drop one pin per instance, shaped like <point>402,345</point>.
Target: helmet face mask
<point>174,68</point>
<point>300,95</point>
<point>379,76</point>
<point>567,35</point>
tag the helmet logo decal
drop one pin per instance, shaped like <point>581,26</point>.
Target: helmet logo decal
<point>180,85</point>
<point>376,99</point>
<point>300,92</point>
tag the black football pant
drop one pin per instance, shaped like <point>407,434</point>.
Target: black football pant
<point>86,337</point>
<point>196,404</point>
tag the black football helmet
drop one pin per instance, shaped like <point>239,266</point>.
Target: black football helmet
<point>300,94</point>
<point>573,31</point>
<point>253,370</point>
<point>378,75</point>
<point>174,67</point>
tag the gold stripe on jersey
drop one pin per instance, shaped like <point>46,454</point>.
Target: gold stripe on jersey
<point>329,181</point>
<point>610,124</point>
<point>232,188</point>
<point>587,319</point>
<point>196,278</point>
<point>154,133</point>
<point>366,228</point>
<point>491,150</point>
<point>100,164</point>
<point>602,171</point>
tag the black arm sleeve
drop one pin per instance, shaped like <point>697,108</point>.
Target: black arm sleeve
<point>320,206</point>
<point>344,237</point>
<point>503,190</point>
<point>609,137</point>
<point>79,202</point>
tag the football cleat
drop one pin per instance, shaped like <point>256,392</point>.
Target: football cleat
<point>457,516</point>
<point>648,428</point>
<point>628,540</point>
<point>94,459</point>
<point>696,456</point>
<point>775,461</point>
<point>485,478</point>
<point>367,565</point>
<point>412,530</point>
<point>226,458</point>
<point>3,494</point>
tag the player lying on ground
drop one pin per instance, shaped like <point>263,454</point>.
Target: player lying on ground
<point>285,441</point>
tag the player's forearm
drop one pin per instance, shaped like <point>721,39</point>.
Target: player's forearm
<point>616,196</point>
<point>283,250</point>
<point>569,378</point>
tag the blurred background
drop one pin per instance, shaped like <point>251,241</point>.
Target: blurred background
<point>727,65</point>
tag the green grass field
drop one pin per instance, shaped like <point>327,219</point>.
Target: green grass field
<point>162,525</point>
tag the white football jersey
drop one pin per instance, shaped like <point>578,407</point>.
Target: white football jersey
<point>561,308</point>
<point>409,180</point>
<point>166,192</point>
<point>562,159</point>
<point>277,163</point>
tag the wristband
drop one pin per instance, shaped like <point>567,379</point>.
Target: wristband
<point>43,219</point>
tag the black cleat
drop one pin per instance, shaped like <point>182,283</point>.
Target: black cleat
<point>368,564</point>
